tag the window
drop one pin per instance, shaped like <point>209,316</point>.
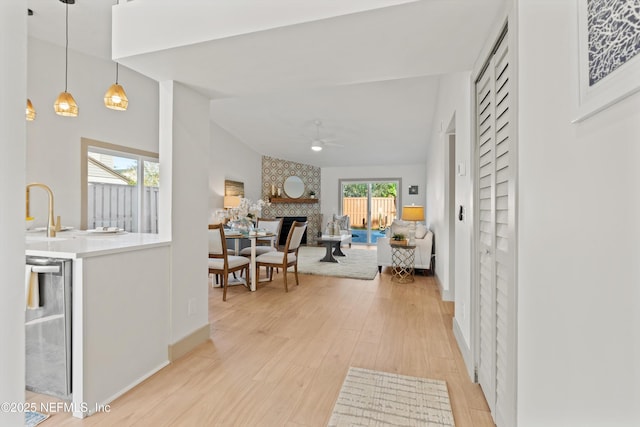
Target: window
<point>120,187</point>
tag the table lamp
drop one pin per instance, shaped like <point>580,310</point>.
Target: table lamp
<point>231,202</point>
<point>412,214</point>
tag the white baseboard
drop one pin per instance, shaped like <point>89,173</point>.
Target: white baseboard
<point>104,405</point>
<point>464,349</point>
<point>188,343</point>
<point>446,295</point>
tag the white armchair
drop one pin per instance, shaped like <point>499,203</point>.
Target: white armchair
<point>424,245</point>
<point>344,222</point>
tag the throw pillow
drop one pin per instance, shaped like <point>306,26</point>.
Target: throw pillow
<point>342,220</point>
<point>399,227</point>
<point>421,231</point>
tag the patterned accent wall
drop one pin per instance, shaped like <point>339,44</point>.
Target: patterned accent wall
<point>274,172</point>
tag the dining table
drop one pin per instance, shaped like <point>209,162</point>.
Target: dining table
<point>253,237</point>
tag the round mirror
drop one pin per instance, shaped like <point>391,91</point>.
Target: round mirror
<point>293,187</point>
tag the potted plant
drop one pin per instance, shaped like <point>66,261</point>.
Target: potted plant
<point>312,194</point>
<point>399,239</point>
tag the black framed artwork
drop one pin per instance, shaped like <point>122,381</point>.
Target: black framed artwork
<point>413,189</point>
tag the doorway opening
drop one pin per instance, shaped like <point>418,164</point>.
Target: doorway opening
<point>454,212</point>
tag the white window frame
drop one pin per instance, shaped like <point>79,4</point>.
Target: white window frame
<point>90,145</point>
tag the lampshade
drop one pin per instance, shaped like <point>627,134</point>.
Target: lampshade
<point>231,201</point>
<point>65,105</point>
<point>412,213</point>
<point>115,97</point>
<point>30,111</point>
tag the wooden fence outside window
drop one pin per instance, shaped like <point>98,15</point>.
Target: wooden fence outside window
<point>116,205</point>
<point>383,211</point>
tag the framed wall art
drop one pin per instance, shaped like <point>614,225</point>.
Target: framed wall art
<point>608,46</point>
<point>233,188</point>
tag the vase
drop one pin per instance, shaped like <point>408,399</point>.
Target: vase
<point>332,229</point>
<point>243,225</point>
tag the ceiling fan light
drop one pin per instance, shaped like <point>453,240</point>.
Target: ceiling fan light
<point>316,146</point>
<point>65,105</point>
<point>30,111</point>
<point>116,98</point>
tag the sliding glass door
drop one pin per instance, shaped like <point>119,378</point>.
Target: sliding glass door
<point>371,205</point>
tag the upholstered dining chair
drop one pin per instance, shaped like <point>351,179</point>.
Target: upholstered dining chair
<point>220,263</point>
<point>273,225</point>
<point>288,256</point>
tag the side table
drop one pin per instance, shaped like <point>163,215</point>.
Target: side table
<point>402,262</point>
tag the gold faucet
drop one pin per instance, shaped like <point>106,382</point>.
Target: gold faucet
<point>51,226</point>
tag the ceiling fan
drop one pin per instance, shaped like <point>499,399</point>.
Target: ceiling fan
<point>317,144</point>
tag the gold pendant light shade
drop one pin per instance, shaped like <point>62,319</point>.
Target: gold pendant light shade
<point>30,112</point>
<point>65,105</point>
<point>116,98</point>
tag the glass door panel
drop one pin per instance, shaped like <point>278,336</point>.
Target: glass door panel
<point>371,206</point>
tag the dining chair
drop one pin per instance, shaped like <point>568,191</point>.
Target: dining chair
<point>272,225</point>
<point>288,256</point>
<point>220,262</point>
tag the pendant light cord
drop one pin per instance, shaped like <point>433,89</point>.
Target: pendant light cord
<point>66,48</point>
<point>117,3</point>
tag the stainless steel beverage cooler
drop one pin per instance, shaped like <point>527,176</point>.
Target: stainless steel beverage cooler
<point>48,329</point>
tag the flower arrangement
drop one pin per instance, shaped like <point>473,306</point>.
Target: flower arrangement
<point>243,217</point>
<point>250,209</point>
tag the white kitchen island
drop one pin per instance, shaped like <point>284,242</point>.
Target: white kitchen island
<point>120,310</point>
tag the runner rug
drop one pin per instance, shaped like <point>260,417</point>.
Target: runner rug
<point>33,418</point>
<point>374,398</point>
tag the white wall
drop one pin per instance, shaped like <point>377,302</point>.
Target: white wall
<point>330,187</point>
<point>13,83</point>
<point>453,107</point>
<point>231,159</point>
<point>184,154</point>
<point>578,270</point>
<point>53,142</point>
<point>214,20</point>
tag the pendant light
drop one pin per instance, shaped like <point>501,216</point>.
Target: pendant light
<point>65,105</point>
<point>115,97</point>
<point>30,112</point>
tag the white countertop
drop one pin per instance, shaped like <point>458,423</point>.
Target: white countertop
<point>74,244</point>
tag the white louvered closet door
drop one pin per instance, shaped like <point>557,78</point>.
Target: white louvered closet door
<point>495,238</point>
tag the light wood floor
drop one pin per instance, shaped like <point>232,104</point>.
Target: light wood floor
<point>279,359</point>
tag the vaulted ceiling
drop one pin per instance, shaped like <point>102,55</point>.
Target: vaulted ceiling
<point>370,75</point>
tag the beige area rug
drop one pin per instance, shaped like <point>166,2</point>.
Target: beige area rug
<point>374,398</point>
<point>358,263</point>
